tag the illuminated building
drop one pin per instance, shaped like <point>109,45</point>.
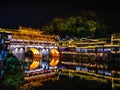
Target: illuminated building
<point>30,36</point>
<point>38,53</point>
<point>95,59</point>
<point>92,55</point>
<point>29,39</point>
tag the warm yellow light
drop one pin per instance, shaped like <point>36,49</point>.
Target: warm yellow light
<point>54,61</point>
<point>36,52</point>
<point>54,52</point>
<point>35,62</point>
<point>34,65</point>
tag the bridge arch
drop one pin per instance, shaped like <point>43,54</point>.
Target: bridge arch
<point>54,52</point>
<point>54,57</point>
<point>32,57</point>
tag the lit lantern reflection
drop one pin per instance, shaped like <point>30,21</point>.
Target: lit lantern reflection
<point>45,65</point>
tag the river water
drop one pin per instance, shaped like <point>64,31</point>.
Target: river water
<point>75,83</point>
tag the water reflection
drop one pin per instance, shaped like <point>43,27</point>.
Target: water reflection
<point>44,63</point>
<point>86,62</point>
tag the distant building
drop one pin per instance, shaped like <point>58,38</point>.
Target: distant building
<point>115,39</point>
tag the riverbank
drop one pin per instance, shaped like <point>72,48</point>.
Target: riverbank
<point>74,83</point>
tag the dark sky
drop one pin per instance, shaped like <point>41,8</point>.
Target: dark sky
<point>37,12</point>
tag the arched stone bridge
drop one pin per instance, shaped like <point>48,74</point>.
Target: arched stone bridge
<point>36,56</point>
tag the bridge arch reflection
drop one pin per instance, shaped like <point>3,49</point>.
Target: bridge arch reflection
<point>37,57</point>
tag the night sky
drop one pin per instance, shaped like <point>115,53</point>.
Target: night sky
<point>37,12</point>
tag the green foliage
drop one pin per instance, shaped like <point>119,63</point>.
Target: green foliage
<point>48,29</point>
<point>13,77</point>
<point>84,25</point>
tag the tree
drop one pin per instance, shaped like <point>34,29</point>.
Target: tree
<point>13,77</point>
<point>88,24</point>
<point>48,29</point>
